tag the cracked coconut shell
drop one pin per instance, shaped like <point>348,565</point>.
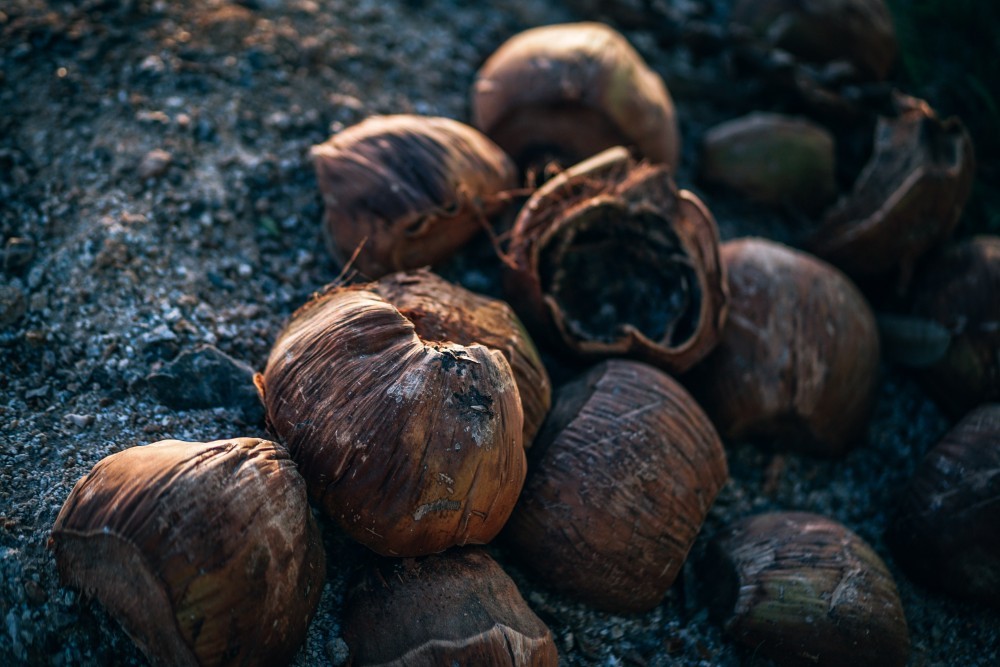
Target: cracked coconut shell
<point>609,258</point>
<point>442,311</point>
<point>623,475</point>
<point>411,444</point>
<point>907,199</point>
<point>405,191</point>
<point>206,553</point>
<point>570,91</point>
<point>860,32</point>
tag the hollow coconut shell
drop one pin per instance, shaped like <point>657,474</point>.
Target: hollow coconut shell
<point>907,199</point>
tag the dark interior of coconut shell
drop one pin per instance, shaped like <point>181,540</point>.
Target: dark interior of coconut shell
<point>608,267</point>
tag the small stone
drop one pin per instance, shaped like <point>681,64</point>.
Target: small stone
<point>34,592</point>
<point>18,253</point>
<point>152,64</point>
<point>206,377</point>
<point>160,334</point>
<point>13,305</point>
<point>153,117</point>
<point>38,392</point>
<point>80,421</point>
<point>337,651</point>
<point>155,164</point>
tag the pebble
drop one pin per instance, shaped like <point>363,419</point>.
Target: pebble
<point>13,305</point>
<point>206,377</point>
<point>337,651</point>
<point>155,164</point>
<point>80,421</point>
<point>38,392</point>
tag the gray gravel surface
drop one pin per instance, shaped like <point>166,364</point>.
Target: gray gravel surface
<point>156,196</point>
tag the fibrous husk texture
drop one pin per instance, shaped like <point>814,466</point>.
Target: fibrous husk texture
<point>207,553</point>
<point>802,589</point>
<point>624,472</point>
<point>442,311</point>
<point>610,259</point>
<point>459,607</point>
<point>406,191</point>
<point>411,445</point>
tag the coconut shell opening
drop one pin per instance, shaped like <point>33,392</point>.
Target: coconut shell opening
<point>651,285</point>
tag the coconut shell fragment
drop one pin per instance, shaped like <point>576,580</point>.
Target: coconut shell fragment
<point>798,361</point>
<point>570,91</point>
<point>457,608</point>
<point>609,258</point>
<point>907,199</point>
<point>405,191</point>
<point>206,553</point>
<point>412,445</point>
<point>804,590</point>
<point>623,475</point>
<point>944,531</point>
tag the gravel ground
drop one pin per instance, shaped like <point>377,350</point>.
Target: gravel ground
<point>154,155</point>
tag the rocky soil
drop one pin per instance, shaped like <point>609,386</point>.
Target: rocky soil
<point>160,220</point>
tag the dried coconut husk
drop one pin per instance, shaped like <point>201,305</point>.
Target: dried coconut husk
<point>944,530</point>
<point>907,199</point>
<point>959,292</point>
<point>412,445</point>
<point>406,191</point>
<point>805,591</point>
<point>623,476</point>
<point>860,32</point>
<point>206,553</point>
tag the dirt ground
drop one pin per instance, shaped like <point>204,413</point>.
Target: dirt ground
<point>156,196</point>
